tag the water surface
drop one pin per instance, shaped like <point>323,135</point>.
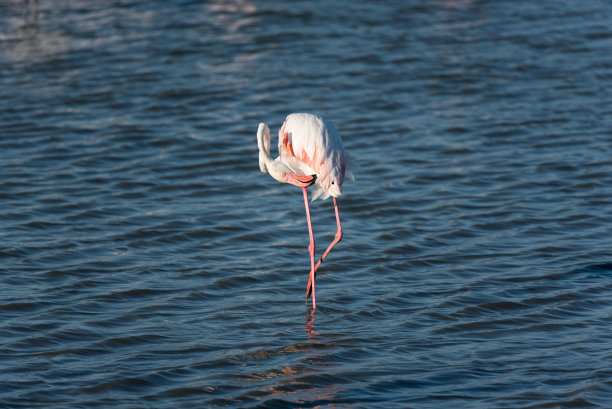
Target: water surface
<point>146,262</point>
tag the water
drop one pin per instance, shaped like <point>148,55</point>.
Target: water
<point>146,262</point>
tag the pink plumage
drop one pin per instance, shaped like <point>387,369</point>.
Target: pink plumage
<point>310,152</point>
<point>310,144</point>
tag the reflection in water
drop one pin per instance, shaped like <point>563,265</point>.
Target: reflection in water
<point>304,381</point>
<point>309,328</point>
<point>26,10</point>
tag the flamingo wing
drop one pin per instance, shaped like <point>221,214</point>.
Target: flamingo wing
<point>309,144</point>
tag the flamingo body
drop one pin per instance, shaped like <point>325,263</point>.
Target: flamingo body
<point>310,152</point>
<point>312,145</point>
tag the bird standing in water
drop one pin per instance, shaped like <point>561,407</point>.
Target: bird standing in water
<point>310,152</point>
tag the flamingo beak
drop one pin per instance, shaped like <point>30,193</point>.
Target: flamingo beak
<point>301,180</point>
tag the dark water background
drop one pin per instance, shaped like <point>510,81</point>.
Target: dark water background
<point>146,262</point>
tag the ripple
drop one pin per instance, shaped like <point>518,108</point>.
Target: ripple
<point>147,261</point>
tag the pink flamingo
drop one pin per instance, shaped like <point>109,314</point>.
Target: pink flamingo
<point>310,152</point>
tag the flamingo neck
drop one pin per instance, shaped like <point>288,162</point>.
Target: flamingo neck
<point>263,143</point>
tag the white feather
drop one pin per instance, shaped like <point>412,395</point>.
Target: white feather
<point>310,144</point>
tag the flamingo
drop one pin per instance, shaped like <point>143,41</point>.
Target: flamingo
<point>310,152</point>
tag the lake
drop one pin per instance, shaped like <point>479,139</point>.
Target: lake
<point>145,261</point>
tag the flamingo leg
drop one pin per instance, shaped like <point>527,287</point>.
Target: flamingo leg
<point>311,249</point>
<point>337,238</point>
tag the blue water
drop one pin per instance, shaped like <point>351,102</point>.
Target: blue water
<point>146,262</point>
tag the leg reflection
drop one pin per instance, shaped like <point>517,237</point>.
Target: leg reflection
<point>309,328</point>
